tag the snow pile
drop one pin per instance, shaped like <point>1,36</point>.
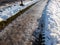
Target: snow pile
<point>52,22</point>
<point>9,11</point>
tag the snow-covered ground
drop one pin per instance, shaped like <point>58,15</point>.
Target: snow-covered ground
<point>52,22</point>
<point>9,11</point>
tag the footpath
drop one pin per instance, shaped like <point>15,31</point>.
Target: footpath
<point>20,30</point>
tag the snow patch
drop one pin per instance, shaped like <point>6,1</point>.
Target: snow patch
<point>9,11</point>
<point>52,23</point>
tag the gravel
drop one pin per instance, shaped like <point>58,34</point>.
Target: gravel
<point>20,30</point>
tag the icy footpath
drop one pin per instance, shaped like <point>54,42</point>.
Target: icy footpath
<point>52,22</point>
<point>10,11</point>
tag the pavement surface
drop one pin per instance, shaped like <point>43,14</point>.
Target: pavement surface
<point>20,30</point>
